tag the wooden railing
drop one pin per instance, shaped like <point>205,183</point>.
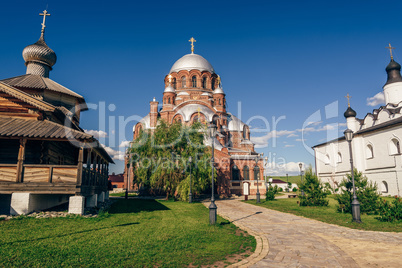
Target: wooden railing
<point>56,174</point>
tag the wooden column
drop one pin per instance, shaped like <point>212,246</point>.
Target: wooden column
<point>88,172</point>
<point>21,158</point>
<point>79,167</point>
<point>95,176</point>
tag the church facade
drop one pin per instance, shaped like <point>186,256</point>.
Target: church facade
<point>193,92</point>
<point>375,144</point>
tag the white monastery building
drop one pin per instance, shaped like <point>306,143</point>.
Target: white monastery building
<point>375,144</point>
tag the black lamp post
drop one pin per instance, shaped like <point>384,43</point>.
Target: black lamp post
<point>355,204</point>
<point>301,176</point>
<point>190,195</point>
<point>256,175</point>
<point>212,206</point>
<point>287,181</point>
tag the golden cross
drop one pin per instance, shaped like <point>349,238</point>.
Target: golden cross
<point>192,40</point>
<point>44,14</point>
<point>390,50</point>
<point>348,97</point>
<point>170,79</point>
<point>219,81</point>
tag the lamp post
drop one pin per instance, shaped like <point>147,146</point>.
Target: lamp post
<point>355,203</point>
<point>287,181</point>
<point>212,206</point>
<point>256,175</point>
<point>301,176</point>
<point>190,195</point>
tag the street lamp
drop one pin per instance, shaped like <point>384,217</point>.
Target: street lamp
<point>287,181</point>
<point>301,176</point>
<point>212,206</point>
<point>256,175</point>
<point>190,195</point>
<point>355,204</point>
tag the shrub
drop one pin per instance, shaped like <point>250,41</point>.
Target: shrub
<point>314,192</point>
<point>390,212</point>
<point>294,189</point>
<point>280,189</point>
<point>366,192</point>
<point>272,191</point>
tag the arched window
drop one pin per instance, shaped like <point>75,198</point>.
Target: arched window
<point>213,83</point>
<point>179,121</point>
<point>196,119</point>
<point>194,81</point>
<point>169,100</point>
<point>326,159</point>
<point>246,173</point>
<point>235,173</point>
<point>204,82</point>
<point>384,187</point>
<point>394,147</point>
<point>369,151</point>
<point>174,83</point>
<point>339,160</point>
<point>245,132</point>
<point>256,173</point>
<point>183,82</point>
<point>220,102</point>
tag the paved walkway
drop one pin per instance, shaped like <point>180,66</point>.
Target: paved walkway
<point>285,240</point>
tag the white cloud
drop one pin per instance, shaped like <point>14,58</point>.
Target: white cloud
<point>96,133</point>
<point>116,155</point>
<point>292,135</point>
<point>262,141</point>
<point>300,139</point>
<point>376,100</point>
<point>289,145</point>
<point>124,144</point>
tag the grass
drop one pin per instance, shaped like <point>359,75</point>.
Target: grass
<point>329,215</point>
<point>133,233</point>
<point>292,179</point>
<point>123,194</point>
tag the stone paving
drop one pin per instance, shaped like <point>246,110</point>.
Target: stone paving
<point>285,240</point>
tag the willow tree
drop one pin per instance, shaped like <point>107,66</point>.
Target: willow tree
<point>161,159</point>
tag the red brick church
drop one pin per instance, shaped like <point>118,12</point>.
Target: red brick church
<point>193,92</point>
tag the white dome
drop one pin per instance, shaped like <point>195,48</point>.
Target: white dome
<point>218,90</point>
<point>169,88</point>
<point>192,62</point>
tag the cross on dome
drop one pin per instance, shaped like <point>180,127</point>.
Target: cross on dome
<point>348,97</point>
<point>44,14</point>
<point>390,50</point>
<point>192,40</point>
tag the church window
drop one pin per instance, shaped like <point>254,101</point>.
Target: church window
<point>245,132</point>
<point>195,119</point>
<point>394,147</point>
<point>213,83</point>
<point>339,160</point>
<point>246,173</point>
<point>326,159</point>
<point>194,81</point>
<point>174,83</point>
<point>369,151</point>
<point>169,100</point>
<point>384,187</point>
<point>256,173</point>
<point>235,173</point>
<point>183,82</point>
<point>219,101</point>
<point>179,121</point>
<point>204,82</point>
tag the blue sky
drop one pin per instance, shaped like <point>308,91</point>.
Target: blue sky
<point>282,60</point>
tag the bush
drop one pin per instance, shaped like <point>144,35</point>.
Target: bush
<point>272,191</point>
<point>390,212</point>
<point>280,189</point>
<point>314,192</point>
<point>294,189</point>
<point>366,192</point>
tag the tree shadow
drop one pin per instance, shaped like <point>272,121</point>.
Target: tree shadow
<point>135,206</point>
<point>228,222</point>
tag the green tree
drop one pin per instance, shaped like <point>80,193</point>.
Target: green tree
<point>160,160</point>
<point>366,192</point>
<point>314,191</point>
<point>271,192</point>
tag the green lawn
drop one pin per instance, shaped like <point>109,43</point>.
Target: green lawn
<point>122,194</point>
<point>329,215</point>
<point>135,233</point>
